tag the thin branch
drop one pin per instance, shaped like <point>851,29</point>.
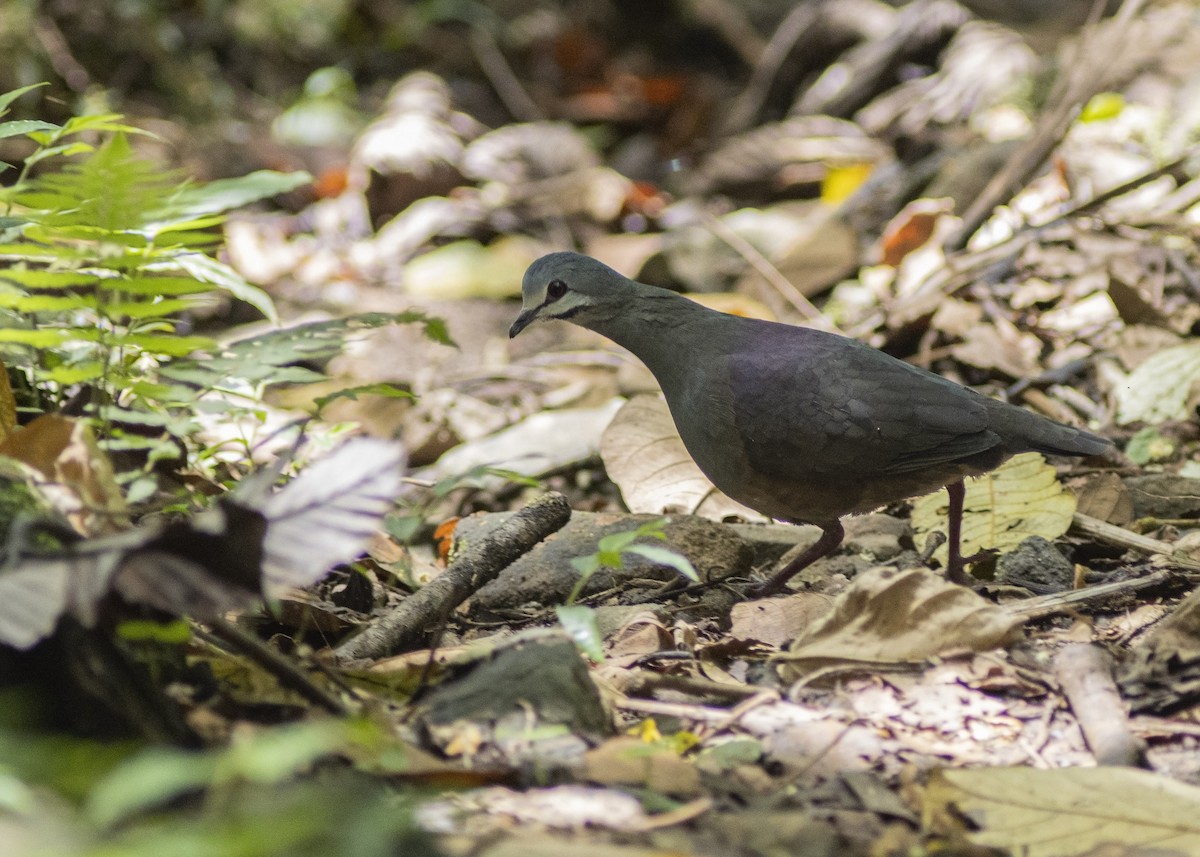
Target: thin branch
<point>751,99</point>
<point>493,64</point>
<point>761,264</point>
<point>477,565</point>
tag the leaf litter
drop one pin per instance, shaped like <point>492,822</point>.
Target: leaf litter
<point>877,709</point>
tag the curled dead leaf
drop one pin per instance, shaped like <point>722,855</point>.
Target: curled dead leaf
<point>645,457</point>
<point>73,473</point>
<point>891,617</point>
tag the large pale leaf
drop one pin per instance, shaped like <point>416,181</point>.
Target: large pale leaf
<point>1019,499</point>
<point>327,514</point>
<point>1070,811</point>
<point>645,457</point>
<point>210,563</point>
<point>888,617</point>
<point>1164,387</point>
<point>32,598</point>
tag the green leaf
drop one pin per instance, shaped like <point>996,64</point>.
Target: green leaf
<point>45,338</point>
<point>617,542</point>
<point>112,190</point>
<point>193,225</point>
<point>147,309</point>
<point>7,98</point>
<point>152,778</point>
<point>227,194</point>
<point>667,557</point>
<point>46,303</point>
<point>169,346</point>
<point>141,418</point>
<point>78,373</point>
<point>586,565</point>
<point>209,270</point>
<point>66,150</point>
<point>173,632</point>
<point>609,558</point>
<point>110,122</point>
<point>43,200</point>
<point>255,360</point>
<point>156,285</point>
<point>388,391</point>
<point>1103,105</point>
<point>190,241</point>
<point>580,623</point>
<point>40,279</point>
<point>143,488</point>
<point>653,529</point>
<point>1147,445</point>
<point>274,755</point>
<point>24,126</point>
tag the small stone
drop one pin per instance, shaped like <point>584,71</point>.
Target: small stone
<point>1036,564</point>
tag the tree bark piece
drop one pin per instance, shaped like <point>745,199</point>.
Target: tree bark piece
<point>478,564</point>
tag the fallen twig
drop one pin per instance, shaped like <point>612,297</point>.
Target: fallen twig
<point>1130,540</point>
<point>500,75</point>
<point>1058,602</point>
<point>478,564</point>
<point>1085,673</point>
<point>768,271</point>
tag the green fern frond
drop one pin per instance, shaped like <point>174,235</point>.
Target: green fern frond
<point>113,190</point>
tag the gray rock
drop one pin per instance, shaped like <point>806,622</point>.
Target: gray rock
<point>545,575</point>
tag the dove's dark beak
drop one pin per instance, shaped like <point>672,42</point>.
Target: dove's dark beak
<point>526,318</point>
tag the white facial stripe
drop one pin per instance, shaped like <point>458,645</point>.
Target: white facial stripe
<point>568,304</point>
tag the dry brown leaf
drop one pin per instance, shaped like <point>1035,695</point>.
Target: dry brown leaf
<point>1034,291</point>
<point>1069,811</point>
<point>776,621</point>
<point>911,229</point>
<point>629,761</point>
<point>1107,497</point>
<point>645,457</point>
<point>642,635</point>
<point>8,406</point>
<point>955,318</point>
<point>79,480</point>
<point>824,252</point>
<point>625,252</point>
<point>734,303</point>
<point>1134,303</point>
<point>1136,343</point>
<point>1078,318</point>
<point>1019,499</point>
<point>1000,345</point>
<point>566,807</point>
<point>889,617</point>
